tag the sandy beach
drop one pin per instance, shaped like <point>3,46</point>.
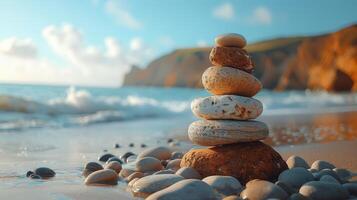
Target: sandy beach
<point>67,157</point>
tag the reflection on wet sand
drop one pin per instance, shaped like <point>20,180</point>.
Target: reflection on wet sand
<point>312,128</point>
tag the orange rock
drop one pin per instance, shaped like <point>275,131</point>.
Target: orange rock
<point>231,57</point>
<point>244,161</point>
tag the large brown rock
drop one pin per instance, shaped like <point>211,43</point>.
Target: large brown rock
<point>244,161</point>
<point>231,57</point>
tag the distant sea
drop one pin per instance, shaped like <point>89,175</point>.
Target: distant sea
<point>24,107</point>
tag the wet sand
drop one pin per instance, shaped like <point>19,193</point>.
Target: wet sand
<point>331,137</point>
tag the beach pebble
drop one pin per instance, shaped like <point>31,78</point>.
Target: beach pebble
<point>161,153</point>
<point>298,196</point>
<point>230,81</point>
<point>319,190</point>
<point>131,145</point>
<point>126,155</point>
<point>143,146</point>
<point>351,188</point>
<point>90,168</point>
<point>165,171</point>
<point>44,172</point>
<point>105,157</point>
<point>190,189</point>
<point>321,164</point>
<point>176,155</point>
<point>102,177</point>
<point>226,185</point>
<point>231,57</point>
<point>329,179</point>
<point>134,175</point>
<point>116,146</point>
<point>227,107</point>
<point>35,176</point>
<point>174,164</point>
<point>344,174</point>
<point>114,165</point>
<point>114,159</point>
<point>237,160</point>
<point>330,172</point>
<point>296,161</point>
<point>131,158</point>
<point>153,183</point>
<point>230,40</point>
<point>296,177</point>
<point>232,197</point>
<point>286,187</point>
<point>261,190</point>
<point>147,164</point>
<point>125,172</point>
<point>29,173</point>
<point>219,132</point>
<point>131,183</point>
<point>188,173</point>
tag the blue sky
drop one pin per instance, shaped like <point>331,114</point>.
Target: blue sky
<point>94,42</point>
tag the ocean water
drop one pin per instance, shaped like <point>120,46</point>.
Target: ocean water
<point>24,107</point>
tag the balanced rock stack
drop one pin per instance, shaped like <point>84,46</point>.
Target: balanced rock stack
<point>227,119</point>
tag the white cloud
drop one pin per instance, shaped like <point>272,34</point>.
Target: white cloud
<point>122,15</point>
<point>261,15</point>
<point>202,43</point>
<point>224,11</point>
<point>23,48</point>
<point>84,64</point>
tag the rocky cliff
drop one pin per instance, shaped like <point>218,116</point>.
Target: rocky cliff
<point>324,62</point>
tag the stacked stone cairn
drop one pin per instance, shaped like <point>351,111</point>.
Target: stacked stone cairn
<point>227,123</point>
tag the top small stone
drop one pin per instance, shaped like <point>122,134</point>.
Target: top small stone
<point>231,40</point>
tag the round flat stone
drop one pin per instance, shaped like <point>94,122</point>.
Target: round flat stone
<point>188,173</point>
<point>244,161</point>
<point>44,172</point>
<point>114,165</point>
<point>174,164</point>
<point>218,132</point>
<point>230,40</point>
<point>226,185</point>
<point>320,190</point>
<point>228,80</point>
<point>190,189</point>
<point>153,183</point>
<point>296,161</point>
<point>262,190</point>
<point>147,164</point>
<point>296,177</point>
<point>161,153</point>
<point>90,168</point>
<point>227,107</point>
<point>102,177</point>
<point>231,57</point>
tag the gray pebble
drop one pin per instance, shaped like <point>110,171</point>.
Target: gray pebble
<point>188,173</point>
<point>327,172</point>
<point>105,157</point>
<point>189,189</point>
<point>296,161</point>
<point>261,190</point>
<point>45,172</point>
<point>319,190</point>
<point>329,179</point>
<point>226,185</point>
<point>90,168</point>
<point>321,164</point>
<point>351,187</point>
<point>286,187</point>
<point>296,177</point>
